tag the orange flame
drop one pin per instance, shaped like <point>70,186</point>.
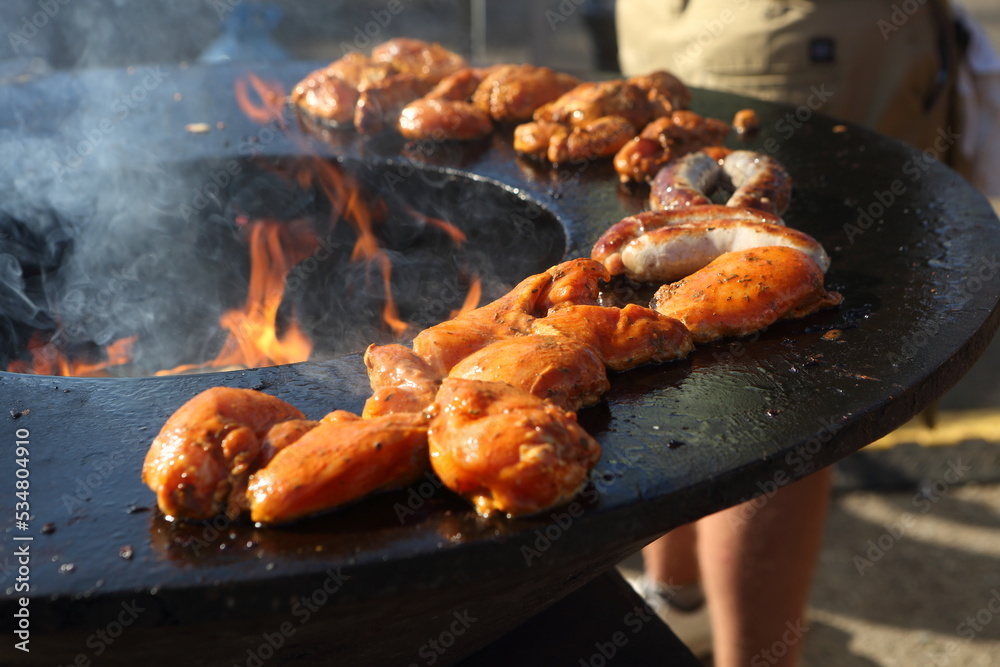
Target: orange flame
<point>271,95</point>
<point>48,359</point>
<point>253,340</point>
<point>472,298</point>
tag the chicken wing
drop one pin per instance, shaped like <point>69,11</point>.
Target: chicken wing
<point>199,463</point>
<point>371,92</point>
<point>624,338</point>
<point>557,368</point>
<point>400,379</point>
<point>571,283</point>
<point>427,61</point>
<point>439,120</point>
<point>744,291</point>
<point>506,450</point>
<point>665,91</point>
<point>339,461</point>
<point>596,99</point>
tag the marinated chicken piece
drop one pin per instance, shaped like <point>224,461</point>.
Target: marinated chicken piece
<point>281,435</point>
<point>379,105</point>
<point>624,338</point>
<point>337,462</point>
<point>401,381</point>
<point>439,120</point>
<point>666,92</point>
<point>427,61</point>
<point>330,94</point>
<point>559,369</point>
<point>596,99</point>
<point>506,450</point>
<point>459,86</point>
<point>513,92</point>
<point>571,283</point>
<point>199,463</point>
<point>534,138</point>
<point>598,139</point>
<point>745,291</point>
<point>666,139</point>
<point>372,92</point>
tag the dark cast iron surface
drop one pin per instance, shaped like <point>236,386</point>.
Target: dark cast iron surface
<point>392,579</point>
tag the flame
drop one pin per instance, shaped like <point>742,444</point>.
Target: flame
<point>253,341</point>
<point>272,100</point>
<point>471,298</point>
<point>48,359</point>
<point>255,334</point>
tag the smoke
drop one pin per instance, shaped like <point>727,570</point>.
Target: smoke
<point>99,237</point>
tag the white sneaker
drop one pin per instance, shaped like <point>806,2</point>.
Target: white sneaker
<point>683,608</point>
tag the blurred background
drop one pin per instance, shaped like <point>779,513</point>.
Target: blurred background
<point>924,595</point>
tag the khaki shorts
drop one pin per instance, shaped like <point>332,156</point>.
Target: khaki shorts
<point>878,63</point>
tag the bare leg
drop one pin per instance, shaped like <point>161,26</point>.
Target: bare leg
<point>672,560</point>
<point>757,560</point>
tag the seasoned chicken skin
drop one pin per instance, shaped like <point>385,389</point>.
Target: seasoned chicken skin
<point>744,291</point>
<point>505,450</point>
<point>559,369</point>
<point>440,120</point>
<point>427,61</point>
<point>624,338</point>
<point>400,379</point>
<point>342,459</point>
<point>199,463</point>
<point>570,283</point>
<point>596,99</point>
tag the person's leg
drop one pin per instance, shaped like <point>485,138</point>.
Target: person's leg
<point>756,570</point>
<point>672,560</point>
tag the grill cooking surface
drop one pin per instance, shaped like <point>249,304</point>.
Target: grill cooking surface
<point>680,440</point>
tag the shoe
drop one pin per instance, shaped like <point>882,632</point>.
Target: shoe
<point>682,608</point>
